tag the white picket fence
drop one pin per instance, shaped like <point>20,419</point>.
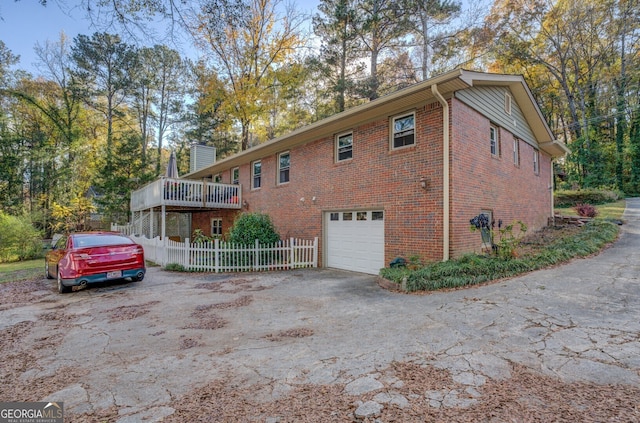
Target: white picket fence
<point>218,256</point>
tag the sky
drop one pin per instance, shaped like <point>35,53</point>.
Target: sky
<point>26,22</point>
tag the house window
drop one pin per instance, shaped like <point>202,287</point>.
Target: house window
<point>536,162</point>
<point>507,103</point>
<point>495,141</point>
<point>235,175</point>
<point>516,152</point>
<point>256,174</point>
<point>284,163</point>
<point>218,178</point>
<point>377,215</point>
<point>403,131</point>
<point>216,227</point>
<point>344,147</point>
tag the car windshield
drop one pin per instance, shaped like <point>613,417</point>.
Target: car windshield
<point>81,241</point>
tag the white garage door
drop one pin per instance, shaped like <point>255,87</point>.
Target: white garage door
<point>355,240</point>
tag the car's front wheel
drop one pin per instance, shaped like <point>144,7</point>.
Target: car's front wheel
<point>61,288</point>
<point>46,270</point>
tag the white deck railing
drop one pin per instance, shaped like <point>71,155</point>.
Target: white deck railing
<point>186,193</point>
<point>218,256</point>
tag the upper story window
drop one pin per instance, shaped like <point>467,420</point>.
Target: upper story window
<point>235,175</point>
<point>284,163</point>
<point>344,147</point>
<point>403,131</point>
<point>495,140</point>
<point>516,152</point>
<point>256,174</point>
<point>507,103</point>
<point>536,162</point>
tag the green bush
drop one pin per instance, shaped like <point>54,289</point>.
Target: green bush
<point>19,240</point>
<point>175,267</point>
<point>585,196</point>
<point>251,226</point>
<point>472,269</point>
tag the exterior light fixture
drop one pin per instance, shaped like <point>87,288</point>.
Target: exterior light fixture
<point>423,183</point>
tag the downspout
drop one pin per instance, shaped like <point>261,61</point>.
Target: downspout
<point>551,190</point>
<point>445,173</point>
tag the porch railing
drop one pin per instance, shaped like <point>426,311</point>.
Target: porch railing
<point>218,256</point>
<point>187,193</point>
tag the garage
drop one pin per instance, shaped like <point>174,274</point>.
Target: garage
<point>355,240</point>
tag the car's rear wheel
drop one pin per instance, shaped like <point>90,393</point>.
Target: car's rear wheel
<point>46,270</point>
<point>61,288</point>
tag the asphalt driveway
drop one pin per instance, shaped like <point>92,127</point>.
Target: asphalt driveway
<point>141,351</point>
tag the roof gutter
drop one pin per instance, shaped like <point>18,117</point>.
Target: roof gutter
<point>445,172</point>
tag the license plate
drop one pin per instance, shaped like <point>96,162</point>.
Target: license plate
<point>115,274</point>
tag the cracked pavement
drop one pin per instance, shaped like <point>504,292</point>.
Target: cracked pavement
<point>131,352</point>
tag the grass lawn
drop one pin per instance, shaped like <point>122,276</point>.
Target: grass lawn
<point>22,270</point>
<point>605,211</point>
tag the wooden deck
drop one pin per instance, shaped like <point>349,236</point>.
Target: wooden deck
<point>186,193</point>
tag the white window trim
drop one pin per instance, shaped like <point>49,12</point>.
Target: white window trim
<point>235,181</point>
<point>536,162</point>
<point>392,125</point>
<point>337,146</point>
<point>253,175</point>
<point>516,152</point>
<point>496,131</point>
<point>219,221</point>
<point>279,168</point>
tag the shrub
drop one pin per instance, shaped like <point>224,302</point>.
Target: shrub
<point>586,196</point>
<point>175,267</point>
<point>472,269</point>
<point>19,240</point>
<point>585,210</point>
<point>251,226</point>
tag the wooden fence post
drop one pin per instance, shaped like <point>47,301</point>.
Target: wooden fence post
<point>186,253</point>
<point>216,255</point>
<point>315,252</point>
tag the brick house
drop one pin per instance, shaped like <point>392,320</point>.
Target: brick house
<point>401,175</point>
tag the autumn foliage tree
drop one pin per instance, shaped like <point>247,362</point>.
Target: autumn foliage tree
<point>249,43</point>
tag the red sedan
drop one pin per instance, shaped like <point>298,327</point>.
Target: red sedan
<point>82,258</point>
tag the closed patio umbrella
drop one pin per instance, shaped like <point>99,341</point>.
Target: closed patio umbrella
<point>172,166</point>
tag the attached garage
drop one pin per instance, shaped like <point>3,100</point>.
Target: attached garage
<point>355,240</point>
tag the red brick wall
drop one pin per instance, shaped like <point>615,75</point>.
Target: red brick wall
<point>376,178</point>
<point>380,179</point>
<point>483,182</point>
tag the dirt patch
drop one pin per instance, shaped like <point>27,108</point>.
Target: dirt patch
<point>129,312</point>
<point>20,355</point>
<point>232,286</point>
<point>525,397</point>
<point>210,322</point>
<point>16,294</point>
<point>290,333</point>
<point>533,242</point>
<point>187,342</point>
